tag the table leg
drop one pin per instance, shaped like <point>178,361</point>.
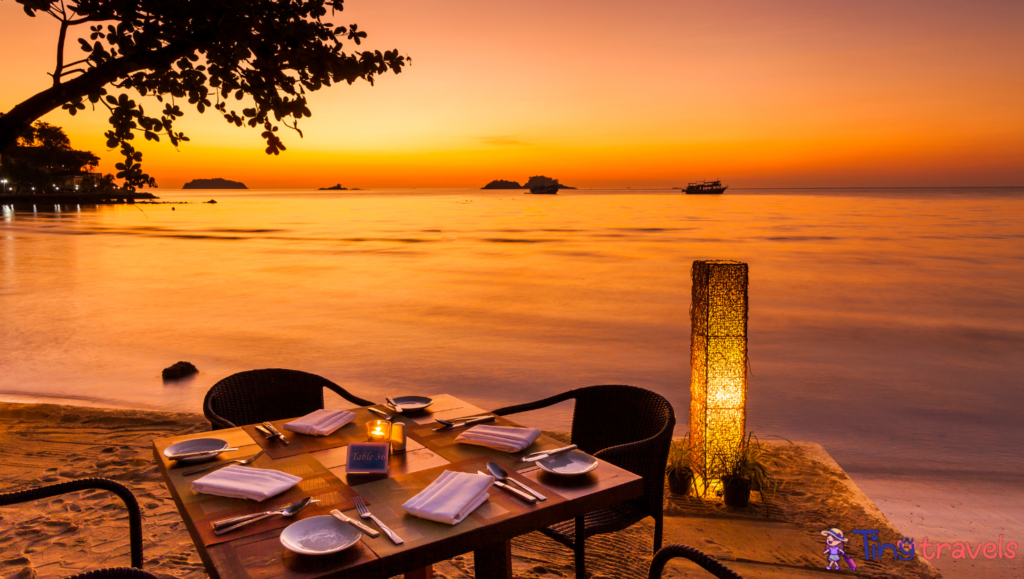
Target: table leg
<point>424,573</point>
<point>494,561</point>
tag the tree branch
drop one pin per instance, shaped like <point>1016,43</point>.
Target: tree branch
<point>60,52</point>
<point>25,113</point>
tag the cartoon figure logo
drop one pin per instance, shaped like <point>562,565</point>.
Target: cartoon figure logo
<point>834,551</point>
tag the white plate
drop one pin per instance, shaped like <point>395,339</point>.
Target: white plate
<point>214,445</point>
<point>412,402</point>
<point>572,463</point>
<point>319,536</point>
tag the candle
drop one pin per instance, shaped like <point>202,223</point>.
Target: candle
<point>378,431</point>
<point>397,437</point>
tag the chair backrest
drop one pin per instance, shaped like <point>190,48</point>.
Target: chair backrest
<point>271,394</point>
<point>607,416</point>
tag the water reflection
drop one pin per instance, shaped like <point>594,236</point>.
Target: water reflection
<point>886,326</point>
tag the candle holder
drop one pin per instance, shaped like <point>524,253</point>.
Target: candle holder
<point>378,431</point>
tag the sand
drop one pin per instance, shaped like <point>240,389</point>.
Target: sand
<point>41,443</point>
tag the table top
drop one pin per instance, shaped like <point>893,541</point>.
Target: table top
<point>258,553</point>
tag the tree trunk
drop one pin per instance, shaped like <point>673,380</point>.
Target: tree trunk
<point>30,110</point>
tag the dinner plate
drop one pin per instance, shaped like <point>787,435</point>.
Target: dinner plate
<point>213,445</point>
<point>413,403</point>
<point>319,536</point>
<point>572,463</point>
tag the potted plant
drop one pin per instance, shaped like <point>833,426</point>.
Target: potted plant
<point>678,470</point>
<point>743,469</point>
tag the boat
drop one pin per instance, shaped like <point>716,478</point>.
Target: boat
<point>706,188</point>
<point>544,189</point>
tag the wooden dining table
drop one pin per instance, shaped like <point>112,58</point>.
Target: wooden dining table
<point>255,551</point>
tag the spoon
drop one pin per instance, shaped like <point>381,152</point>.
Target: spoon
<point>226,526</point>
<point>500,474</point>
<point>249,460</point>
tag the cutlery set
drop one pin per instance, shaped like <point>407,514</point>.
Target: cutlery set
<point>198,453</point>
<point>270,431</point>
<point>227,525</point>
<point>449,424</point>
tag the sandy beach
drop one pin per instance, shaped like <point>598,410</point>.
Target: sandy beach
<point>44,443</point>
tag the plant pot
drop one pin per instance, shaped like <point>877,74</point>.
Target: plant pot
<point>736,492</point>
<point>679,482</point>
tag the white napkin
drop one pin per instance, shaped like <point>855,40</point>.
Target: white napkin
<point>450,498</point>
<point>244,482</point>
<point>320,422</point>
<point>503,438</point>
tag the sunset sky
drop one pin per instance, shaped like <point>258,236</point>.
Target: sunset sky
<point>613,94</point>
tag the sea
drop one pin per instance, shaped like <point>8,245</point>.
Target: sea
<point>885,324</point>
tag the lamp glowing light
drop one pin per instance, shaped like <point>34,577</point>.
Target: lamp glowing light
<point>718,362</point>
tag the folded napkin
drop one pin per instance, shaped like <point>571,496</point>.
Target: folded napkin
<point>320,422</point>
<point>503,438</point>
<point>450,498</point>
<point>244,482</point>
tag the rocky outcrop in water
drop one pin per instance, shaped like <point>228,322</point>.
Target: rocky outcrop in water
<point>216,183</point>
<point>535,181</point>
<point>179,370</point>
<point>502,184</point>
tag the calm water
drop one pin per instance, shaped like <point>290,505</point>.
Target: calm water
<point>885,324</point>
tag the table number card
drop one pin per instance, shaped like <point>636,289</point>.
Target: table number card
<point>367,458</point>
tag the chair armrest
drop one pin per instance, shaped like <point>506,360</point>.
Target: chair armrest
<point>347,395</point>
<point>217,421</point>
<point>544,403</point>
<point>612,453</point>
<point>709,563</point>
<point>134,514</point>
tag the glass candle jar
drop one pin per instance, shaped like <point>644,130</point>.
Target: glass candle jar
<point>378,431</point>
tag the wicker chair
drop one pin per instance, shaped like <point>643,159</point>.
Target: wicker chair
<point>134,520</point>
<point>272,394</point>
<point>709,563</point>
<point>629,427</point>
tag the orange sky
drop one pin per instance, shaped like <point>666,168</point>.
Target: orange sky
<point>614,94</point>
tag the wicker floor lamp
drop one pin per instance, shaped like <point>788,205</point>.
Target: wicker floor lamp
<point>718,361</point>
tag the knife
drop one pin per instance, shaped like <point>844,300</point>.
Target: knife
<point>467,423</point>
<point>541,455</point>
<point>380,413</point>
<point>341,516</point>
<point>199,453</point>
<point>275,432</point>
<point>526,497</point>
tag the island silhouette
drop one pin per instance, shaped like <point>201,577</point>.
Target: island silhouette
<point>537,181</point>
<point>215,183</point>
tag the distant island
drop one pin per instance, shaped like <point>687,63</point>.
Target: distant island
<point>536,181</point>
<point>337,187</point>
<point>502,184</point>
<point>217,183</point>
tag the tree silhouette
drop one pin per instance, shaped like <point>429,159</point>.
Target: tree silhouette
<point>261,56</point>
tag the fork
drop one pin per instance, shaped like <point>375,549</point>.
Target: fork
<point>241,462</point>
<point>366,514</point>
